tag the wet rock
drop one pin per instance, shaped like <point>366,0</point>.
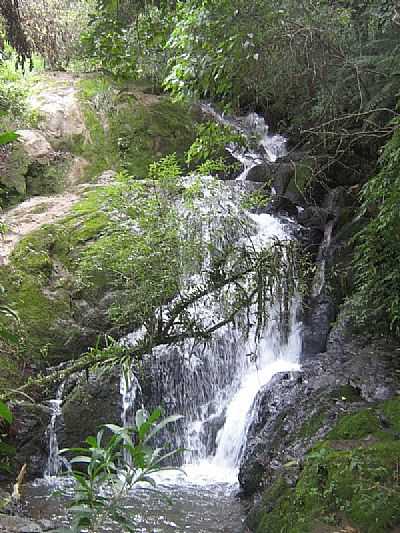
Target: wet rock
<point>294,411</point>
<point>314,217</point>
<point>5,501</point>
<point>18,524</point>
<point>289,177</point>
<point>92,401</point>
<point>319,314</point>
<point>29,432</point>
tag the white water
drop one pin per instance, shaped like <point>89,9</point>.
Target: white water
<point>54,461</point>
<point>268,147</point>
<point>215,385</point>
<point>221,380</point>
<point>259,362</point>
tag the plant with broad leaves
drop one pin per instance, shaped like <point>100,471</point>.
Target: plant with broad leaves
<point>6,450</point>
<point>109,468</point>
<point>8,137</point>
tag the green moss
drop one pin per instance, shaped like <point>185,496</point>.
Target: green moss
<point>312,425</point>
<point>42,281</point>
<point>356,426</point>
<point>47,178</point>
<point>343,482</point>
<point>26,280</point>
<point>347,393</point>
<point>391,410</point>
<point>128,132</point>
<point>147,133</point>
<point>12,176</point>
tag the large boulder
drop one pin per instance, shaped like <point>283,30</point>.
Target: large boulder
<point>35,145</point>
<point>29,434</point>
<point>90,401</point>
<point>296,410</point>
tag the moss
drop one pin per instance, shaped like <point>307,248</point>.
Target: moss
<point>41,280</point>
<point>391,410</point>
<point>356,483</point>
<point>147,133</point>
<point>346,393</point>
<point>46,178</point>
<point>32,292</point>
<point>128,131</point>
<point>312,425</point>
<point>356,426</point>
<point>12,176</point>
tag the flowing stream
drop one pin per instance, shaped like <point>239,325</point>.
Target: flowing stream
<point>213,385</point>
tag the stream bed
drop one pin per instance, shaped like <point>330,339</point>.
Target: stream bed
<point>180,506</point>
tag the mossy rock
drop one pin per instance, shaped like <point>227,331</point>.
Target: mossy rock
<point>350,478</point>
<point>12,175</point>
<point>127,131</point>
<point>42,179</point>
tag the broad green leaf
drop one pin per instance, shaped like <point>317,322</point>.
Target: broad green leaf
<point>8,137</point>
<point>81,459</point>
<point>5,413</point>
<point>161,425</point>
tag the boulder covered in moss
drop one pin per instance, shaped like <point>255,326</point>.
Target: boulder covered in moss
<point>342,407</point>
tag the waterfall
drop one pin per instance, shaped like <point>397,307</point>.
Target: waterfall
<point>214,384</point>
<point>54,460</point>
<point>268,148</point>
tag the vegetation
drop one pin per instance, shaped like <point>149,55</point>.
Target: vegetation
<point>349,479</point>
<point>142,252</point>
<point>111,469</point>
<point>377,299</point>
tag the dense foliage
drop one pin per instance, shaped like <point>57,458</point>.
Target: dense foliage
<point>53,27</point>
<point>326,72</point>
<point>377,301</point>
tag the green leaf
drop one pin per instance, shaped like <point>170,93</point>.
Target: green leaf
<point>161,425</point>
<point>8,137</point>
<point>5,413</point>
<point>81,459</point>
<point>7,336</point>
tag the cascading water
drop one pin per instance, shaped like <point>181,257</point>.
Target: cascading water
<point>214,384</point>
<point>268,148</point>
<point>54,461</point>
<point>218,389</point>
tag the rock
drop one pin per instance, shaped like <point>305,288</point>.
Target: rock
<point>13,168</point>
<point>46,525</point>
<point>314,217</point>
<point>36,146</point>
<point>18,524</point>
<point>106,177</point>
<point>89,404</point>
<point>319,314</point>
<point>29,427</point>
<point>290,177</point>
<point>5,500</point>
<point>59,107</point>
<point>296,410</point>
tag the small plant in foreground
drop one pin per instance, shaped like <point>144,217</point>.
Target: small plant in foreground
<point>108,469</point>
